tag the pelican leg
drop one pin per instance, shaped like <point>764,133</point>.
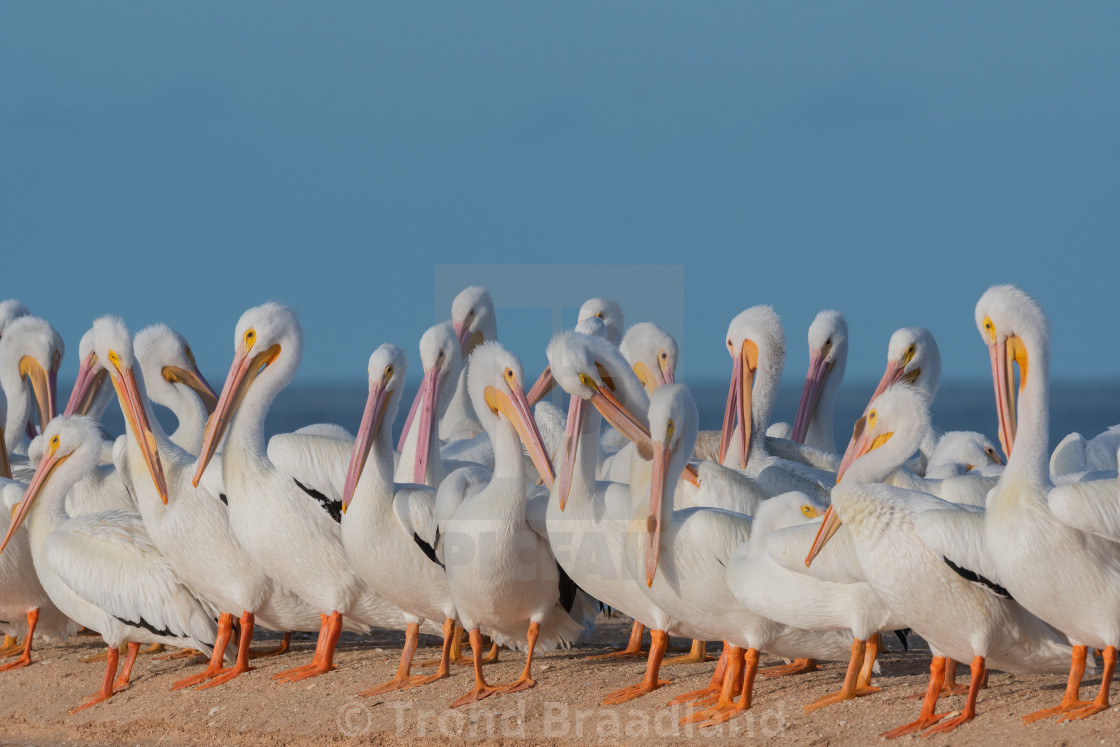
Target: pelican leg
<point>320,641</point>
<point>481,689</point>
<point>126,671</point>
<point>490,657</point>
<point>525,681</point>
<point>746,695</point>
<point>326,654</point>
<point>728,686</point>
<point>11,647</point>
<point>928,717</point>
<point>214,668</point>
<point>1071,700</point>
<point>241,666</point>
<point>633,649</point>
<point>282,648</point>
<point>697,655</point>
<point>444,661</point>
<point>797,666</point>
<point>1101,702</point>
<point>978,669</point>
<point>403,679</point>
<point>848,689</point>
<point>707,695</point>
<point>106,690</point>
<point>659,641</point>
<point>863,684</point>
<point>25,658</point>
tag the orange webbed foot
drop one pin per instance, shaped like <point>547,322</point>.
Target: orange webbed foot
<point>919,725</point>
<point>475,695</point>
<point>633,691</point>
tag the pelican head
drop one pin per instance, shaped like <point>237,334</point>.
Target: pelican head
<point>652,353</point>
<point>30,355</point>
<point>495,385</point>
<point>673,426</point>
<point>590,369</point>
<point>166,359</point>
<point>882,440</point>
<point>473,318</point>
<point>89,395</point>
<point>1014,327</point>
<point>609,311</point>
<point>68,449</point>
<point>755,339</point>
<point>962,451</point>
<point>912,359</point>
<point>112,343</point>
<point>387,366</point>
<point>10,310</point>
<point>267,347</point>
<point>828,354</point>
<point>442,361</point>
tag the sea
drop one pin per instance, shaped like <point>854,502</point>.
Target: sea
<point>1085,407</point>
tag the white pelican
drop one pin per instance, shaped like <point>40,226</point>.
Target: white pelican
<point>21,595</point>
<point>101,570</point>
<point>913,359</point>
<point>173,380</point>
<point>1065,575</point>
<point>292,534</point>
<point>605,309</point>
<point>30,353</point>
<point>189,525</point>
<point>420,460</point>
<point>474,322</point>
<point>389,530</point>
<point>974,619</point>
<point>756,342</point>
<point>828,357</point>
<point>681,558</point>
<point>960,452</point>
<point>500,569</point>
<point>1076,454</point>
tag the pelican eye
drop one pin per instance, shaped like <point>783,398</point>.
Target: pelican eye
<point>871,416</point>
<point>809,511</point>
<point>599,314</point>
<point>990,327</point>
<point>54,443</point>
<point>664,355</point>
<point>669,428</point>
<point>190,355</point>
<point>250,338</point>
<point>388,370</point>
<point>510,377</point>
<point>114,358</point>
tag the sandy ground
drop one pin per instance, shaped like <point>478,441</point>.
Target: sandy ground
<point>563,707</point>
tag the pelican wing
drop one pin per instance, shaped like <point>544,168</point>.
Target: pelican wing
<point>1092,506</point>
<point>415,509</point>
<point>967,489</point>
<point>837,561</point>
<point>317,463</point>
<point>721,487</point>
<point>108,559</point>
<point>327,430</point>
<point>956,534</point>
<point>807,455</point>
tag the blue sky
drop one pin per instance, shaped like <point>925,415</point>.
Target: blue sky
<point>181,162</point>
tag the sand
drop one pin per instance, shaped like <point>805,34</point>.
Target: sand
<point>562,708</point>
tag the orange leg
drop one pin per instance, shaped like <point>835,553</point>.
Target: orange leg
<point>320,641</point>
<point>797,666</point>
<point>444,670</point>
<point>456,655</point>
<point>325,653</point>
<point>403,679</point>
<point>969,711</point>
<point>863,684</point>
<point>126,670</point>
<point>25,658</point>
<point>697,655</point>
<point>481,689</point>
<point>1101,701</point>
<point>490,657</point>
<point>241,666</point>
<point>719,715</point>
<point>106,691</point>
<point>11,647</point>
<point>929,705</point>
<point>728,687</point>
<point>848,689</point>
<point>1071,699</point>
<point>707,695</point>
<point>525,681</point>
<point>659,641</point>
<point>633,649</point>
<point>225,627</point>
<point>285,644</point>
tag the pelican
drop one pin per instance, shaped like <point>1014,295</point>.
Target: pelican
<point>913,359</point>
<point>501,571</point>
<point>605,309</point>
<point>21,594</point>
<point>174,381</point>
<point>101,570</point>
<point>294,537</point>
<point>680,559</point>
<point>389,530</point>
<point>1066,576</point>
<point>30,354</point>
<point>1076,454</point>
<point>474,322</point>
<point>960,452</point>
<point>828,356</point>
<point>896,534</point>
